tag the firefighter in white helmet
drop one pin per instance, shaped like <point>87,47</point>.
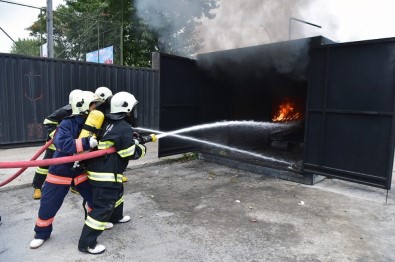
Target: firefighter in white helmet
<point>51,122</point>
<point>60,177</point>
<point>105,173</point>
<point>105,94</point>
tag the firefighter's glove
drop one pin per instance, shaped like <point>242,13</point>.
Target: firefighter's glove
<point>93,142</point>
<point>136,135</point>
<point>136,141</point>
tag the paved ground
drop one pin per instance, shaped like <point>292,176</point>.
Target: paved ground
<point>200,211</point>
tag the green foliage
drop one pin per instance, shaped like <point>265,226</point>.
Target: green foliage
<point>82,26</point>
<point>26,47</point>
<point>176,23</point>
<point>191,156</point>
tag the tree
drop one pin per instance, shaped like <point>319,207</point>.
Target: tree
<point>82,26</point>
<point>176,22</point>
<point>26,46</point>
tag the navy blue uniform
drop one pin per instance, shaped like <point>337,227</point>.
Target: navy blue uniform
<point>50,122</point>
<point>61,177</point>
<point>105,175</point>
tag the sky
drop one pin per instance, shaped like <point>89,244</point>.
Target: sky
<point>241,23</point>
<point>14,19</point>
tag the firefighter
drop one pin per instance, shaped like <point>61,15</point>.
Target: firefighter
<point>105,94</point>
<point>105,173</point>
<point>51,122</point>
<point>61,177</point>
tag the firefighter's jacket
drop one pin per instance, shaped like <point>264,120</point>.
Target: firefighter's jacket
<point>67,143</point>
<point>53,120</point>
<point>107,171</point>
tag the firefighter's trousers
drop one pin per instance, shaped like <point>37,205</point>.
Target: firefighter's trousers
<point>53,193</point>
<point>42,171</point>
<point>107,207</point>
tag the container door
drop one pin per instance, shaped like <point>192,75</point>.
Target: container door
<point>350,112</point>
<point>179,103</point>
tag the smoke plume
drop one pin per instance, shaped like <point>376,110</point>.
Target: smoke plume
<point>241,23</point>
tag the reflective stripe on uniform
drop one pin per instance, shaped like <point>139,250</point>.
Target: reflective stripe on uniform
<point>42,171</point>
<point>142,150</point>
<point>49,122</point>
<point>52,133</point>
<point>44,223</point>
<point>92,223</point>
<point>127,152</point>
<point>59,180</point>
<point>105,144</point>
<point>120,201</point>
<point>81,178</point>
<point>104,177</point>
<point>78,145</point>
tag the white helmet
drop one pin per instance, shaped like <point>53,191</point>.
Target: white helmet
<point>103,92</point>
<point>73,94</point>
<point>81,103</point>
<point>122,102</point>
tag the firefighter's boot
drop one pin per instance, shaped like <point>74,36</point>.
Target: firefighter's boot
<point>108,226</point>
<point>125,219</point>
<point>98,249</point>
<point>36,243</point>
<point>37,193</point>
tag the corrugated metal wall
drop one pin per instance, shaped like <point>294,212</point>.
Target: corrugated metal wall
<point>32,88</point>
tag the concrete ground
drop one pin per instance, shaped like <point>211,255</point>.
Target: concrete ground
<point>191,210</point>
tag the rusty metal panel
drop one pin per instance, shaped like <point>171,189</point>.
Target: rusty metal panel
<point>32,88</point>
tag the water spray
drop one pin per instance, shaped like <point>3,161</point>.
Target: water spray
<point>144,139</point>
<point>175,134</point>
<point>249,123</point>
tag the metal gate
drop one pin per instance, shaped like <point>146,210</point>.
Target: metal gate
<point>179,101</point>
<point>31,88</point>
<point>350,116</point>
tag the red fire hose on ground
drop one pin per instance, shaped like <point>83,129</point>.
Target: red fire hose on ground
<point>47,162</point>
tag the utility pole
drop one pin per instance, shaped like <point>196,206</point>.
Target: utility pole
<point>121,39</point>
<point>50,29</point>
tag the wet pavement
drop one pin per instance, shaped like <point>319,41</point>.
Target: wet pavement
<point>192,210</point>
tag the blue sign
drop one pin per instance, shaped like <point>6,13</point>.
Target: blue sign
<point>103,56</point>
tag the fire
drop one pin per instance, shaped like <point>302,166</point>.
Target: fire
<point>286,112</point>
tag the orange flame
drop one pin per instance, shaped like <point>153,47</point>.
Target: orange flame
<point>286,112</point>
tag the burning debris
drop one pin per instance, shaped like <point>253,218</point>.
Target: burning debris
<point>287,111</point>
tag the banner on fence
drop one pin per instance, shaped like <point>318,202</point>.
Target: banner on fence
<point>103,56</point>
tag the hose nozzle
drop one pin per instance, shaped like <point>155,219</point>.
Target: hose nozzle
<point>154,138</point>
<point>146,139</point>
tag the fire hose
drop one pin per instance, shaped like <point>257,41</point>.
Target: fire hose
<point>20,171</point>
<point>47,162</point>
<point>94,120</point>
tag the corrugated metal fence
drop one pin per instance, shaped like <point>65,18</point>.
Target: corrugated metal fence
<point>32,88</point>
